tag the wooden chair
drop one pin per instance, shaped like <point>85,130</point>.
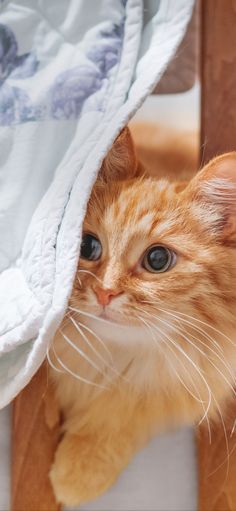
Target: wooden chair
<point>35,428</point>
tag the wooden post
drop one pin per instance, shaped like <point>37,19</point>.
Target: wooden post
<point>218,77</point>
<point>217,489</point>
<point>34,439</point>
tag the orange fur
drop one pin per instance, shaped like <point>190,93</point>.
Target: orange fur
<point>176,364</point>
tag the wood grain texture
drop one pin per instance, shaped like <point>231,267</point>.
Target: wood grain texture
<point>181,72</point>
<point>34,439</point>
<point>218,77</point>
<point>217,473</point>
<point>217,479</point>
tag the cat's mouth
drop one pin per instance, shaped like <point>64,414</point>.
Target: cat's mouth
<point>109,314</point>
<point>104,315</point>
<point>112,316</point>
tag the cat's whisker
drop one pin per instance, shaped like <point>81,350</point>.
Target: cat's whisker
<point>99,339</point>
<point>105,321</point>
<point>51,362</point>
<point>199,399</point>
<point>148,327</point>
<point>233,429</point>
<point>176,356</point>
<point>79,326</point>
<point>112,367</point>
<point>222,421</point>
<point>194,319</point>
<point>181,314</point>
<point>197,328</point>
<point>80,283</point>
<point>205,409</point>
<point>66,319</point>
<point>202,332</point>
<point>170,325</point>
<point>222,358</point>
<point>205,355</point>
<point>82,354</point>
<point>77,376</point>
<point>228,452</point>
<point>92,274</point>
<point>97,353</point>
<point>68,370</point>
<point>97,318</point>
<point>179,348</point>
<point>179,377</point>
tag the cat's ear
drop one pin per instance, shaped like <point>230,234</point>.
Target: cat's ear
<point>214,189</point>
<point>121,161</point>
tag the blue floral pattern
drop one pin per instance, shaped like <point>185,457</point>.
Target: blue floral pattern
<point>14,101</point>
<point>74,86</point>
<point>70,89</point>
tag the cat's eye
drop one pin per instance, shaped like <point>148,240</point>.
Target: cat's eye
<point>91,248</point>
<point>158,259</point>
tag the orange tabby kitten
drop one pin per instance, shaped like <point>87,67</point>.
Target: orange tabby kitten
<point>148,340</point>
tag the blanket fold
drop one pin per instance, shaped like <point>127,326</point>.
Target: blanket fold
<point>71,77</point>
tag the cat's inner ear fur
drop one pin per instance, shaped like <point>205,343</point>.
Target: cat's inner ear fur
<point>214,187</point>
<point>121,161</point>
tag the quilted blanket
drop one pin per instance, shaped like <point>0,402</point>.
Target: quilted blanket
<point>72,74</point>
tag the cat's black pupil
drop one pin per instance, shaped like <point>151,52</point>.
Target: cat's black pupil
<point>91,248</point>
<point>158,258</point>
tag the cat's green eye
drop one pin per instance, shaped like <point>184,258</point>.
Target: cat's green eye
<point>91,248</point>
<point>158,259</point>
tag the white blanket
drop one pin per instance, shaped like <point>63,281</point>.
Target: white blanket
<point>72,74</point>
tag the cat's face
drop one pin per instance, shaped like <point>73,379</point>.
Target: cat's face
<point>150,242</point>
<point>159,259</point>
<point>144,248</point>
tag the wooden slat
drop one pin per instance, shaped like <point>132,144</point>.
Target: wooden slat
<point>34,439</point>
<point>182,70</point>
<point>217,490</point>
<point>218,77</point>
<point>217,472</point>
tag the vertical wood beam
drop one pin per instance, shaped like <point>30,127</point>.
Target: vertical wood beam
<point>34,439</point>
<point>218,77</point>
<point>217,488</point>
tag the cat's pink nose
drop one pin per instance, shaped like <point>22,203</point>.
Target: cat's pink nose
<point>104,296</point>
